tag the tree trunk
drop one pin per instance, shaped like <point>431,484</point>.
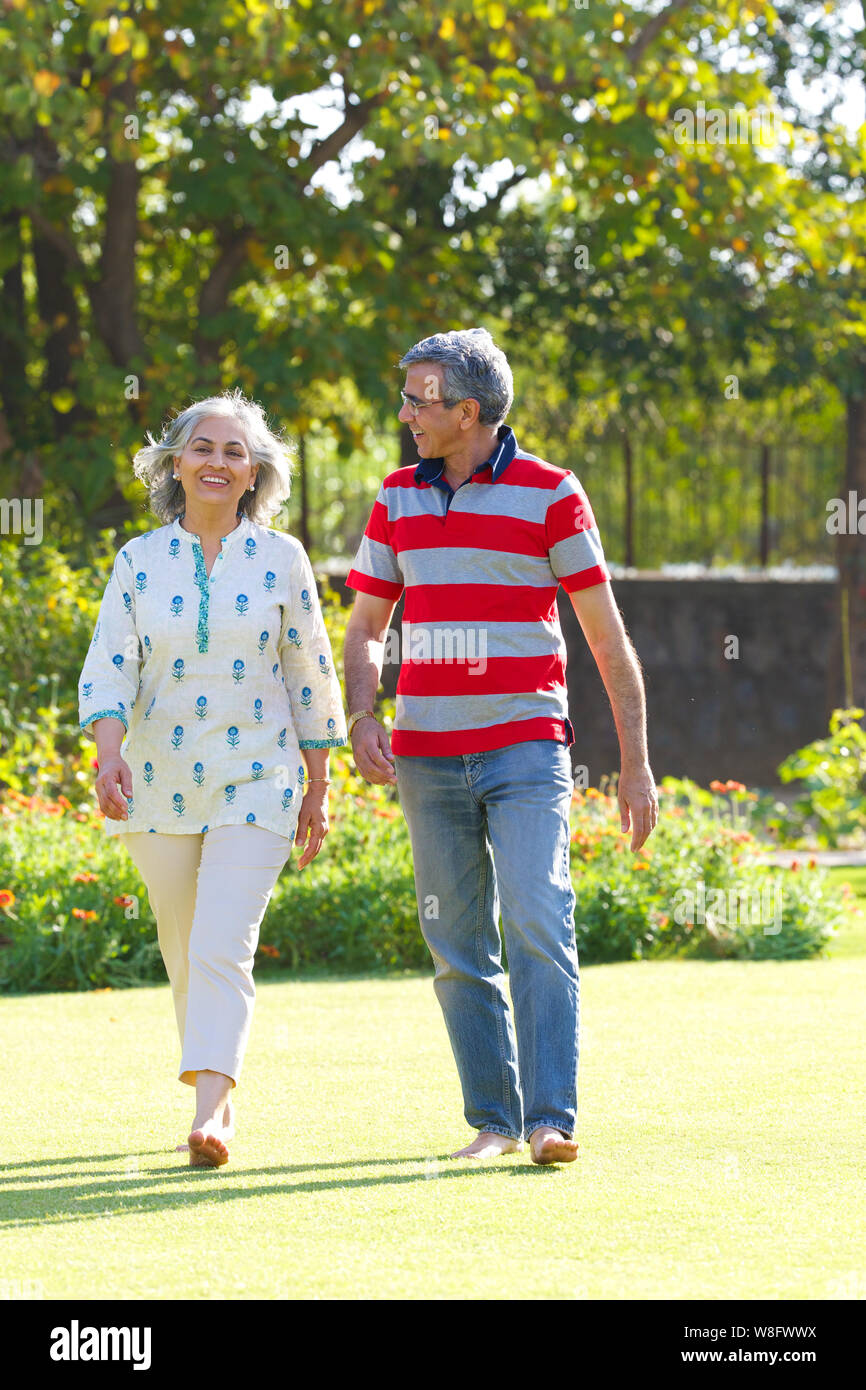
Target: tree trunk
<point>305,497</point>
<point>629,499</point>
<point>14,391</point>
<point>765,506</point>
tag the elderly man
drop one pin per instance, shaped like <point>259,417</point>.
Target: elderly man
<point>480,535</point>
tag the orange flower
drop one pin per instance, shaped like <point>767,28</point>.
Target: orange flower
<point>85,876</point>
<point>124,900</point>
<point>7,898</point>
<point>62,801</point>
<point>717,786</point>
<point>813,864</point>
<point>269,951</point>
<point>795,864</point>
<point>84,914</point>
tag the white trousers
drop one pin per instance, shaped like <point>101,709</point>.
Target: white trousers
<point>209,894</point>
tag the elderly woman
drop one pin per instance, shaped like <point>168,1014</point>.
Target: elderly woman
<point>210,690</point>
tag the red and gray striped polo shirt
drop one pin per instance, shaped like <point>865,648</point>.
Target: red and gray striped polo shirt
<point>483,657</point>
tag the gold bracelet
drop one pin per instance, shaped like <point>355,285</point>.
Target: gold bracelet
<point>320,779</point>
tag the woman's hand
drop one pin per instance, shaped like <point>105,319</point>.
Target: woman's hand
<point>113,771</point>
<point>312,822</point>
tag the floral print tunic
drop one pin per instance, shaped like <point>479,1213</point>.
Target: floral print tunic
<point>220,681</point>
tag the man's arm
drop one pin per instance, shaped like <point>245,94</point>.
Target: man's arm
<point>620,670</point>
<point>363,654</point>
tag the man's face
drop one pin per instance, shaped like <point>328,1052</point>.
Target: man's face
<point>436,428</point>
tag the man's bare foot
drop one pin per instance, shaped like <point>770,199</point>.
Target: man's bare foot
<point>489,1145</point>
<point>551,1146</point>
<point>206,1147</point>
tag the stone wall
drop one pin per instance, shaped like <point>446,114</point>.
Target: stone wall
<point>708,716</point>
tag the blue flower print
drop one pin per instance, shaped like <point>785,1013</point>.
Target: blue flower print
<point>201,706</point>
<point>238,671</point>
<point>127,603</point>
<point>198,774</point>
<point>130,805</point>
<point>177,669</point>
<point>250,818</point>
<point>118,660</point>
<point>257,711</point>
<point>174,548</point>
<point>176,605</point>
<point>323,666</point>
<point>147,644</point>
<point>274,669</point>
<point>177,736</point>
<point>331,727</point>
<point>95,638</point>
<point>204,830</point>
<point>281,738</point>
<point>178,803</point>
<point>149,708</point>
<point>230,795</point>
<point>268,580</point>
<point>249,548</point>
<point>242,603</point>
<point>141,581</point>
<point>87,690</point>
<point>306,601</point>
<point>287,798</point>
<point>148,773</point>
<point>257,771</point>
<point>232,736</point>
<point>293,636</point>
<point>263,641</point>
<point>306,697</point>
<point>125,554</point>
<point>300,776</point>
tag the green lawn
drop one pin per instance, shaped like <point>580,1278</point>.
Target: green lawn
<point>720,1130</point>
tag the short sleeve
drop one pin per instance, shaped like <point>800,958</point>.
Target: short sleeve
<point>375,569</point>
<point>573,542</point>
<point>308,665</point>
<point>109,679</point>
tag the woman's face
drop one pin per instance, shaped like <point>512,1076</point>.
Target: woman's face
<point>215,467</point>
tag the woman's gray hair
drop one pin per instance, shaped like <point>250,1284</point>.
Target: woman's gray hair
<point>472,367</point>
<point>154,464</point>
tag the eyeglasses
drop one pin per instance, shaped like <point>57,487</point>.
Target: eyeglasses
<point>416,405</point>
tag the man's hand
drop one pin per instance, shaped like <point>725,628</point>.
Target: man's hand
<point>372,752</point>
<point>638,803</point>
<point>312,822</point>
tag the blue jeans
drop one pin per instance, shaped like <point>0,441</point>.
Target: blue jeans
<point>489,831</point>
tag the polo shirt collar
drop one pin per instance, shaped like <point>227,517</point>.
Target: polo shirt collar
<point>241,531</point>
<point>429,470</point>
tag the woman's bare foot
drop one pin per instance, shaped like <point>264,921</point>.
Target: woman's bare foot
<point>226,1133</point>
<point>551,1146</point>
<point>489,1145</point>
<point>207,1139</point>
<point>206,1147</point>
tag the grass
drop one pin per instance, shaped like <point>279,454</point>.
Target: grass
<point>720,1131</point>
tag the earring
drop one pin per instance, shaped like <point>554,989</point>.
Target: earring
<point>252,487</point>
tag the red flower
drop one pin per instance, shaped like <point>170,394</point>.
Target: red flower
<point>269,951</point>
<point>84,914</point>
<point>7,898</point>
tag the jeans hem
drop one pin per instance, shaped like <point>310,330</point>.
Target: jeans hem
<point>529,1129</point>
<point>495,1129</point>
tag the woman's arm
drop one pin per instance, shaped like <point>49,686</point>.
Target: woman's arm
<point>313,820</point>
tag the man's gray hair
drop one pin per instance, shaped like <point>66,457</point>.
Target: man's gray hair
<point>472,367</point>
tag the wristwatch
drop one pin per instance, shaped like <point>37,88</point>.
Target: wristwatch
<point>353,719</point>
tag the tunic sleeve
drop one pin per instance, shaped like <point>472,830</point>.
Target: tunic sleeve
<point>308,665</point>
<point>109,679</point>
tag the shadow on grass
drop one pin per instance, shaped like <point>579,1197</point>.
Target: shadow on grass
<point>120,1194</point>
